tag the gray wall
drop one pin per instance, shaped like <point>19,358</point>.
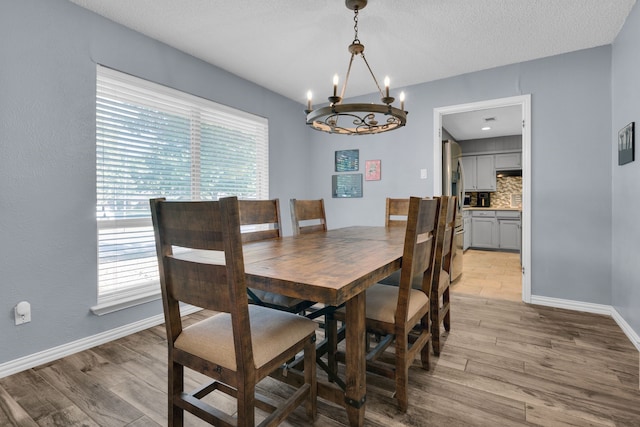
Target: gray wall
<point>571,129</point>
<point>47,159</point>
<point>626,178</point>
<point>47,162</point>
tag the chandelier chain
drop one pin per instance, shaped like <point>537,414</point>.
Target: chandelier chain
<point>355,25</point>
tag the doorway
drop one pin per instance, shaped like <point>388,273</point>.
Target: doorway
<point>524,101</point>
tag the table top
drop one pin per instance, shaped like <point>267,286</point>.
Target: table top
<point>328,267</point>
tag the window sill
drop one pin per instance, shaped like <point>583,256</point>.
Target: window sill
<point>122,303</point>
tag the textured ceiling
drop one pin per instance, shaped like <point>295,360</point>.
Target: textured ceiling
<point>291,46</point>
<point>502,121</point>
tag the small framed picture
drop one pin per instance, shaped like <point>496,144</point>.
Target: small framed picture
<point>346,185</point>
<point>626,144</point>
<point>347,160</point>
<point>372,170</point>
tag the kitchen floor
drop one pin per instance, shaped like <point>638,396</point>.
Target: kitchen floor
<point>490,274</point>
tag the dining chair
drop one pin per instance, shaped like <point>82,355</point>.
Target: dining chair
<point>308,216</point>
<point>396,212</point>
<point>440,288</point>
<point>400,314</point>
<point>201,262</point>
<point>260,220</point>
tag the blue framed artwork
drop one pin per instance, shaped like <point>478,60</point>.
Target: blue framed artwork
<point>347,160</point>
<point>347,185</point>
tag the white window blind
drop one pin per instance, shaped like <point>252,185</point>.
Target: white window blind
<point>153,141</point>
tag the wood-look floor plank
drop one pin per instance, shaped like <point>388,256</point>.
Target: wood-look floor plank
<point>104,407</point>
<point>12,413</point>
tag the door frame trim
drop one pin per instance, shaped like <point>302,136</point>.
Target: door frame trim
<point>525,102</point>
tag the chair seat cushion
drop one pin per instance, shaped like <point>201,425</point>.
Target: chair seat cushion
<point>382,301</point>
<point>272,332</point>
<point>276,299</point>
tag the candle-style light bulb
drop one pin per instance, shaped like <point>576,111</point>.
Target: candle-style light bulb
<point>309,97</point>
<point>402,101</point>
<point>386,84</point>
<point>335,85</point>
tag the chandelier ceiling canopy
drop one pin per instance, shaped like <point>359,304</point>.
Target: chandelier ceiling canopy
<point>359,118</point>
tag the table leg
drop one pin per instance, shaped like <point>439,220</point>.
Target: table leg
<point>356,393</point>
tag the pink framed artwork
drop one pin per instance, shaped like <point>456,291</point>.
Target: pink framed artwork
<point>372,170</point>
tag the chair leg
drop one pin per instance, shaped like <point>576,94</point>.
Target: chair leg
<point>435,324</point>
<point>402,371</point>
<point>175,387</point>
<point>445,303</point>
<point>311,404</point>
<point>331,332</point>
<point>246,405</point>
<point>425,352</point>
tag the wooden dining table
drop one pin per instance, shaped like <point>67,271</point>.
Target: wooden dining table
<point>333,268</point>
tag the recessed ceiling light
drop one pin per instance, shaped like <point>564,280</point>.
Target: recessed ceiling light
<point>486,128</point>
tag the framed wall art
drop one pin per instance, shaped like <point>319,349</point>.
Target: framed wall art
<point>347,160</point>
<point>626,144</point>
<point>347,185</point>
<point>372,170</point>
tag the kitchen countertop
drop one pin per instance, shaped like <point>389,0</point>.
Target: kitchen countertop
<point>473,208</point>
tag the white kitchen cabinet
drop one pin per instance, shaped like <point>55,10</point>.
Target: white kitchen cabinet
<point>479,173</point>
<point>508,161</point>
<point>469,165</point>
<point>509,232</point>
<point>484,229</point>
<point>466,219</point>
<point>495,229</point>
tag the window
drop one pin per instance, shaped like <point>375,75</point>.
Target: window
<point>153,141</point>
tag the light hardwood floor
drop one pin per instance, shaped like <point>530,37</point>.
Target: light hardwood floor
<point>490,274</point>
<point>504,363</point>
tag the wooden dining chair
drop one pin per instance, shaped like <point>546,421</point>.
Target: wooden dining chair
<point>396,212</point>
<point>308,216</point>
<point>400,314</point>
<point>440,288</point>
<point>200,260</point>
<point>260,220</point>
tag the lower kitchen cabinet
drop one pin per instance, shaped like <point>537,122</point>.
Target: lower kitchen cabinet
<point>495,229</point>
<point>467,231</point>
<point>509,231</point>
<point>484,229</point>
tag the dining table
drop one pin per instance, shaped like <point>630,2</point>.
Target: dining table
<point>333,267</point>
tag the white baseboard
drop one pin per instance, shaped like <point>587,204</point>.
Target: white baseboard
<point>49,355</point>
<point>591,308</point>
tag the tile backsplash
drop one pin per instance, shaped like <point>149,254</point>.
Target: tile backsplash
<point>505,187</point>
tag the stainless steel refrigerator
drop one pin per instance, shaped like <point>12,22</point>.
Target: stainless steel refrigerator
<point>453,185</point>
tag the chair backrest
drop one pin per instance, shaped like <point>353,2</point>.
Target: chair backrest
<point>396,212</point>
<point>260,213</point>
<point>446,233</point>
<point>419,250</point>
<point>214,279</point>
<point>307,216</point>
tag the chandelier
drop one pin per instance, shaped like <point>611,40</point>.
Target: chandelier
<point>357,119</point>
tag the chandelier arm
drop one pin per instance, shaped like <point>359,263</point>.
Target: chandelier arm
<point>346,79</point>
<point>372,75</point>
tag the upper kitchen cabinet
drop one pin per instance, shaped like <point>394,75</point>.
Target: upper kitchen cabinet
<point>508,161</point>
<point>479,173</point>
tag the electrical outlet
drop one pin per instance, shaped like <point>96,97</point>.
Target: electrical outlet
<point>22,312</point>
